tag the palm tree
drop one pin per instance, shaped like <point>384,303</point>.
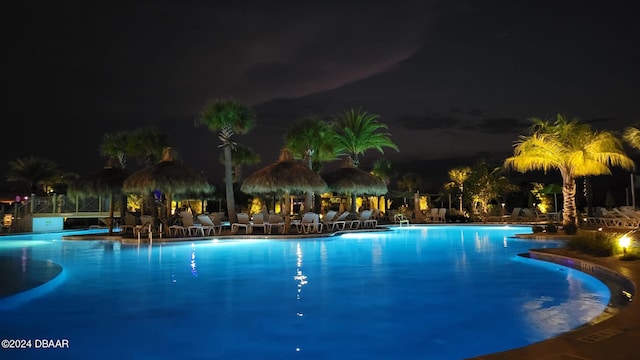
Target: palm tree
<point>314,141</point>
<point>34,171</point>
<point>116,146</point>
<point>632,136</point>
<point>241,155</point>
<point>458,176</point>
<point>572,148</point>
<point>147,145</point>
<point>228,117</point>
<point>383,169</point>
<point>357,132</point>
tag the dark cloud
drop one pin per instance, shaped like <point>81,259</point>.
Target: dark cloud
<point>448,78</point>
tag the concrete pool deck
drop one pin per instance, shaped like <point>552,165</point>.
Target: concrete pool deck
<point>612,336</point>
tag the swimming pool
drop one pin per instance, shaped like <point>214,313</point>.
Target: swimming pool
<point>436,292</point>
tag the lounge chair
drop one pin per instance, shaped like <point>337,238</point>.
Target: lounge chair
<point>432,216</point>
<point>145,227</point>
<point>243,222</point>
<point>258,222</point>
<point>514,217</point>
<point>366,220</point>
<point>338,223</point>
<point>187,227</point>
<point>277,221</point>
<point>310,223</point>
<point>216,219</point>
<point>129,223</point>
<point>328,218</point>
<point>208,227</point>
<point>439,215</point>
<point>531,216</point>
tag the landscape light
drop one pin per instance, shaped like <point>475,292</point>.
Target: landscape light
<point>624,242</point>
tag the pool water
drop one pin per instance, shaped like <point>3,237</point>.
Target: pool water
<point>430,292</point>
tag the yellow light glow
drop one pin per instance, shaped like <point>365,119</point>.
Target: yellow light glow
<point>624,241</point>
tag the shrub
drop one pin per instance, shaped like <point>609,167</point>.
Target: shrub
<point>552,228</point>
<point>537,228</point>
<point>594,243</point>
<point>570,228</point>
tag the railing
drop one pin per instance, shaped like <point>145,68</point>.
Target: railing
<point>57,205</point>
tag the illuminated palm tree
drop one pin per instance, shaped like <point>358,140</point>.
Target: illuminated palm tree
<point>228,117</point>
<point>358,131</point>
<point>572,148</point>
<point>458,176</point>
<point>632,136</point>
<point>314,141</point>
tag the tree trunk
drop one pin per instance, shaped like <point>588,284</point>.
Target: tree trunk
<point>286,210</point>
<point>569,214</point>
<point>111,213</point>
<point>308,201</point>
<point>228,179</point>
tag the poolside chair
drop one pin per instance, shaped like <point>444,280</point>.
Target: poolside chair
<point>216,219</point>
<point>258,222</point>
<point>130,223</point>
<point>514,217</point>
<point>366,220</point>
<point>187,227</point>
<point>243,222</point>
<point>432,216</point>
<point>310,223</point>
<point>276,221</point>
<point>338,223</point>
<point>531,216</point>
<point>441,216</point>
<point>145,227</point>
<point>328,218</point>
<point>208,227</point>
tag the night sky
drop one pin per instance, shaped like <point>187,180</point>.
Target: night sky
<point>453,80</point>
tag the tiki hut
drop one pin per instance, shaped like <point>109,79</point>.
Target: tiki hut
<point>350,180</point>
<point>286,176</point>
<point>170,176</point>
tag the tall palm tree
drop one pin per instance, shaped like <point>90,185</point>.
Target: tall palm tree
<point>34,171</point>
<point>572,148</point>
<point>358,131</point>
<point>241,155</point>
<point>383,168</point>
<point>229,117</point>
<point>458,176</point>
<point>314,141</point>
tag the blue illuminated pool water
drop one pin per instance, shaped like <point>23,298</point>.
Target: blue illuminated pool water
<point>439,292</point>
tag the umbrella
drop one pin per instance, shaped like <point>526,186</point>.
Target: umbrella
<point>106,182</point>
<point>554,189</point>
<point>284,176</point>
<point>350,180</point>
<point>169,175</point>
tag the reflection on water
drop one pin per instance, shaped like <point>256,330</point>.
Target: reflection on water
<point>302,281</point>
